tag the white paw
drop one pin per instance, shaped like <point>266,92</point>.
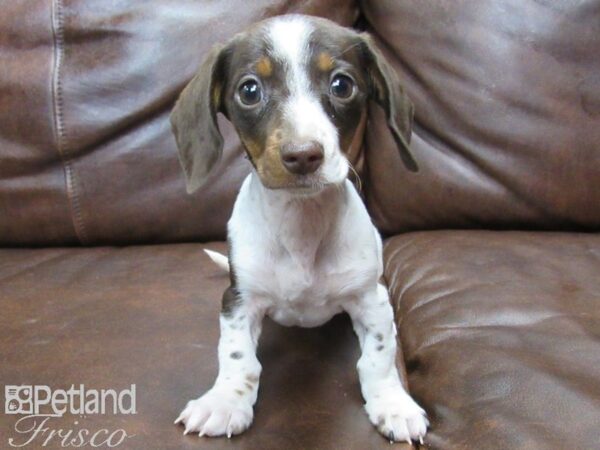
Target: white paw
<point>398,417</point>
<point>217,414</point>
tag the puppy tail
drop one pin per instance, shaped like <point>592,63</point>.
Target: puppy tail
<point>220,260</point>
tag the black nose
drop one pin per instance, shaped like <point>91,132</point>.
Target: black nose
<point>302,159</point>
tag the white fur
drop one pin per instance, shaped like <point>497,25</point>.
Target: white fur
<point>301,259</point>
<point>305,119</point>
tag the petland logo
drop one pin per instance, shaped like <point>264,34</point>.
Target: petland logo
<point>39,404</point>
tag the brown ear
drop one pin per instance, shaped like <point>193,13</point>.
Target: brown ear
<point>387,91</point>
<point>194,120</point>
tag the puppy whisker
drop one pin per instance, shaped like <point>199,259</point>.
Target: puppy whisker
<point>358,180</point>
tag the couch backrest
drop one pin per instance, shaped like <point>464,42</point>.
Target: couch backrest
<point>507,130</point>
<point>86,151</point>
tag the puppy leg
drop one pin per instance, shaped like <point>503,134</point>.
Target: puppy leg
<point>226,409</point>
<point>390,408</point>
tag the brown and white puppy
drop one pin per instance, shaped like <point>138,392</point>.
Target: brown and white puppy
<point>302,245</point>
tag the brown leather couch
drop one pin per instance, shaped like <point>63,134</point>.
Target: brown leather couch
<point>491,254</point>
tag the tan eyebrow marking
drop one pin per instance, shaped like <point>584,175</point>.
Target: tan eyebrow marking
<point>216,94</point>
<point>264,67</point>
<point>324,62</point>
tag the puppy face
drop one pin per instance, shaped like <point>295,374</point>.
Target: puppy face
<point>295,88</point>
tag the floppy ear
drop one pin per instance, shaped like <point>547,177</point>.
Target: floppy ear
<point>387,91</point>
<point>194,120</point>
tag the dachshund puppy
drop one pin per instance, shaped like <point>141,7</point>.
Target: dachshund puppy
<point>302,245</point>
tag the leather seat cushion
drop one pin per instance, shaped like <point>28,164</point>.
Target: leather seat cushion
<point>111,317</point>
<point>501,335</point>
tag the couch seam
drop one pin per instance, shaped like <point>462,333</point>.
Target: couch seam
<point>59,125</point>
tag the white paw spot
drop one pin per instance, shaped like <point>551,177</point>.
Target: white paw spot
<point>217,414</point>
<point>398,417</point>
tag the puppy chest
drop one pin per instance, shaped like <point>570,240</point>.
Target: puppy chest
<point>304,292</point>
<point>283,279</point>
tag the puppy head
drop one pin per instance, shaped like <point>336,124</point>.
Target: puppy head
<point>295,88</point>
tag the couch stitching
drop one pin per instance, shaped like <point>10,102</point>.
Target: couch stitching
<point>59,126</point>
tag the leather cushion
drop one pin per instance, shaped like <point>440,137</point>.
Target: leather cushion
<point>111,317</point>
<point>507,101</point>
<point>501,336</point>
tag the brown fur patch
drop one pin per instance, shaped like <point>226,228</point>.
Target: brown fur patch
<point>254,148</point>
<point>324,62</point>
<point>264,67</point>
<point>231,299</point>
<point>269,165</point>
<point>216,94</point>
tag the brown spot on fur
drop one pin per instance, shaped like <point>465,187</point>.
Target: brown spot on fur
<point>249,386</point>
<point>269,165</point>
<point>216,94</point>
<point>379,337</point>
<point>252,378</point>
<point>254,149</point>
<point>264,67</point>
<point>239,392</point>
<point>236,355</point>
<point>379,348</point>
<point>324,62</point>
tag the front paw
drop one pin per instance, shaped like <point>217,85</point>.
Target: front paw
<point>217,413</point>
<point>398,417</point>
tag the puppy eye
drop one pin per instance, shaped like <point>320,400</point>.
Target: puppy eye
<point>342,87</point>
<point>250,93</point>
